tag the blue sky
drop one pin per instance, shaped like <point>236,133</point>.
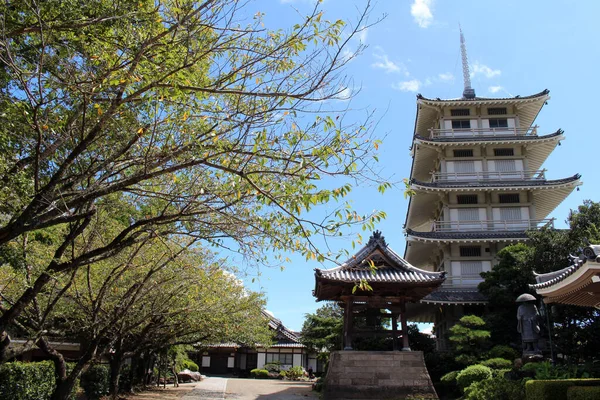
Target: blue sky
<point>515,48</point>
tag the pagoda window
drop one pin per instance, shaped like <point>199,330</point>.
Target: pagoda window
<point>504,152</point>
<point>498,123</point>
<point>463,153</point>
<point>510,213</point>
<point>497,111</point>
<point>461,124</point>
<point>470,251</point>
<point>466,199</point>
<point>471,268</point>
<point>508,198</point>
<point>468,214</point>
<point>460,112</point>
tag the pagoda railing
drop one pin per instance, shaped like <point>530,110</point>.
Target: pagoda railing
<point>483,132</point>
<point>462,280</point>
<point>491,225</point>
<point>489,175</point>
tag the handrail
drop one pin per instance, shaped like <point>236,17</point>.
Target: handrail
<point>539,174</point>
<point>483,132</point>
<point>490,225</point>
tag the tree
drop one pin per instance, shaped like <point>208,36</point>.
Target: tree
<point>547,250</point>
<point>469,339</point>
<point>322,331</point>
<point>195,124</point>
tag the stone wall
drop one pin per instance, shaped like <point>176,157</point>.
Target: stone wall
<point>382,375</point>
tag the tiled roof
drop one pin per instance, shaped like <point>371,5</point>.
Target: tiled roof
<point>467,235</point>
<point>533,96</point>
<point>391,268</point>
<point>288,345</point>
<point>278,327</point>
<point>459,139</point>
<point>591,252</point>
<point>447,296</point>
<point>507,182</point>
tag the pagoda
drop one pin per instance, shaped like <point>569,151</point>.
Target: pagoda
<point>479,186</point>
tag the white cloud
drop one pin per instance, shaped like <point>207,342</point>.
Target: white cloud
<point>446,77</point>
<point>407,86</point>
<point>385,63</point>
<point>481,69</point>
<point>495,89</point>
<point>421,12</point>
<point>345,94</point>
<point>362,35</point>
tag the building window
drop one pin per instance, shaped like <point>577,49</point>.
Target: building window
<point>498,123</point>
<point>284,359</point>
<point>461,124</point>
<point>470,251</point>
<point>508,198</point>
<point>468,214</point>
<point>471,267</point>
<point>463,153</point>
<point>504,152</point>
<point>506,166</point>
<point>510,213</point>
<point>497,111</point>
<point>466,199</point>
<point>460,112</point>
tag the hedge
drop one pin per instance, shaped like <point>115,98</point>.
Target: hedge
<point>497,363</point>
<point>554,389</point>
<point>259,373</point>
<point>472,374</point>
<point>26,381</point>
<point>96,381</point>
<point>583,393</point>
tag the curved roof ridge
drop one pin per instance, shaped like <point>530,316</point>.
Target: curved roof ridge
<point>544,92</point>
<point>591,252</point>
<point>552,135</point>
<point>500,183</point>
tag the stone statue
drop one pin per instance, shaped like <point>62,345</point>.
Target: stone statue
<point>528,324</point>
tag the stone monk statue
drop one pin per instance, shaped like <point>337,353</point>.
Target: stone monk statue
<point>528,323</point>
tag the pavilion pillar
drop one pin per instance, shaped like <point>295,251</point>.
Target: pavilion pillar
<point>405,346</point>
<point>395,331</point>
<point>348,323</point>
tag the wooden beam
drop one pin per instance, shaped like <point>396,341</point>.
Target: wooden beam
<point>405,346</point>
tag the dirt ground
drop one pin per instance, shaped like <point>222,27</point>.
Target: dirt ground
<point>169,393</point>
<point>267,389</point>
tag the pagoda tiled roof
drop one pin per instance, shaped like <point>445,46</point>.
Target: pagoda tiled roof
<point>478,235</point>
<point>475,99</point>
<point>543,281</point>
<point>454,296</point>
<point>390,267</point>
<point>492,139</point>
<point>503,183</point>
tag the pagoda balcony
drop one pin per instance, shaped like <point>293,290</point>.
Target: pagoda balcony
<point>482,132</point>
<point>534,175</point>
<point>491,225</point>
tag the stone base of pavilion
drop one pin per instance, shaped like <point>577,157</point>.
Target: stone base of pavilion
<point>382,375</point>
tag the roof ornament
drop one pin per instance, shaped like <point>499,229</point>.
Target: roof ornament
<point>468,92</point>
<point>377,237</point>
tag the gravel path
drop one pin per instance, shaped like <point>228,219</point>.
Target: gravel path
<point>211,388</point>
<point>267,389</point>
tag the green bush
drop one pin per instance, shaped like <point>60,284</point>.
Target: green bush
<point>496,388</point>
<point>506,352</point>
<point>95,381</point>
<point>259,373</point>
<point>554,389</point>
<point>546,371</point>
<point>26,381</point>
<point>472,374</point>
<point>189,364</point>
<point>450,377</point>
<point>583,393</point>
<point>497,363</point>
<point>273,366</point>
<point>294,373</point>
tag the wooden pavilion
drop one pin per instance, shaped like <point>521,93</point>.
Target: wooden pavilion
<point>578,284</point>
<point>375,283</point>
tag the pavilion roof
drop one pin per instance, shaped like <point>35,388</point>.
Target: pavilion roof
<point>506,182</point>
<point>392,274</point>
<point>577,284</point>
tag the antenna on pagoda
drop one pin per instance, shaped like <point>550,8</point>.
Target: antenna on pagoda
<point>469,92</point>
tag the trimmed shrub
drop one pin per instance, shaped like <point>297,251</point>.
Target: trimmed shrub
<point>555,389</point>
<point>501,351</point>
<point>26,381</point>
<point>472,374</point>
<point>189,364</point>
<point>294,373</point>
<point>259,373</point>
<point>583,393</point>
<point>274,366</point>
<point>496,388</point>
<point>95,381</point>
<point>450,377</point>
<point>497,363</point>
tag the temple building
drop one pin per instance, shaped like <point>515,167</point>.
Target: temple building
<point>479,186</point>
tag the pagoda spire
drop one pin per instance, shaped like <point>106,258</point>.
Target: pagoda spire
<point>468,92</point>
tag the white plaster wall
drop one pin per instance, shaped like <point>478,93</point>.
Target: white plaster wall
<point>206,361</point>
<point>230,362</point>
<point>260,361</point>
<point>297,361</point>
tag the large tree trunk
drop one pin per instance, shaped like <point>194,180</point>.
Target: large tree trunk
<point>116,362</point>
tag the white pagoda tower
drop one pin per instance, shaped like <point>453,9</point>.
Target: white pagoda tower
<point>479,183</point>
